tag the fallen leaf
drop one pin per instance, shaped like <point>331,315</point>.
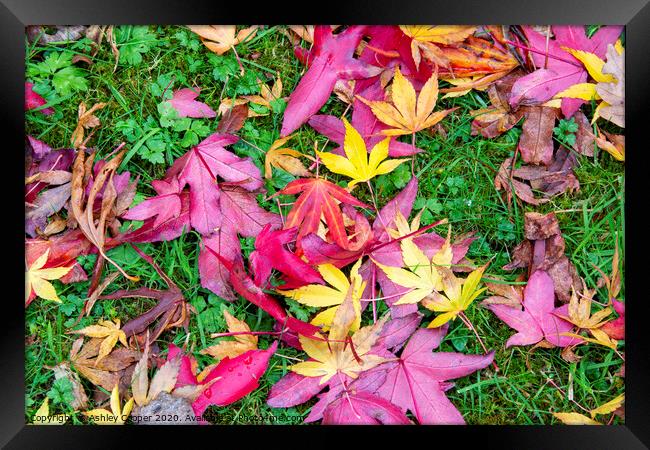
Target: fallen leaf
<point>116,416</point>
<point>575,419</point>
<point>539,319</point>
<point>608,407</point>
<point>233,119</point>
<point>363,408</point>
<point>37,280</point>
<point>459,294</point>
<point>271,253</point>
<point>356,164</point>
<point>417,382</point>
<point>221,38</point>
<point>86,120</point>
<point>613,92</point>
<point>340,354</point>
<point>33,100</point>
<point>183,101</point>
<point>406,115</point>
<point>109,332</point>
<point>285,159</point>
<point>243,342</point>
<point>330,59</point>
<point>319,197</point>
<point>321,296</point>
<point>614,144</point>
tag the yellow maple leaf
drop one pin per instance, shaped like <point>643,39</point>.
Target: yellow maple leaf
<point>580,311</point>
<point>356,164</point>
<point>241,344</point>
<point>323,296</point>
<point>117,415</point>
<point>406,115</point>
<point>459,294</point>
<point>285,159</point>
<point>422,276</point>
<point>337,354</point>
<point>36,279</point>
<point>109,331</point>
<point>221,38</point>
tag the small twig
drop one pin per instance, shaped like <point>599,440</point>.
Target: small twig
<point>469,325</point>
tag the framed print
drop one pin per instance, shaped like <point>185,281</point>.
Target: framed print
<point>266,224</point>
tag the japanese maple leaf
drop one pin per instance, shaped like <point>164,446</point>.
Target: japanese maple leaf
<point>557,68</point>
<point>271,253</point>
<point>33,100</point>
<point>153,229</point>
<point>294,389</point>
<point>241,344</point>
<point>325,296</point>
<point>162,207</point>
<point>422,277</point>
<point>109,331</point>
<point>406,115</point>
<point>339,354</point>
<point>459,294</point>
<point>38,278</point>
<point>356,164</point>
<point>246,287</point>
<point>183,101</point>
<point>221,38</point>
<point>235,377</point>
<point>239,213</point>
<point>365,122</point>
<point>417,383</point>
<point>538,319</point>
<point>319,197</point>
<point>331,59</point>
<point>199,168</point>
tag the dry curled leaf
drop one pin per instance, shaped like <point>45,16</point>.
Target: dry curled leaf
<point>284,158</point>
<point>86,120</point>
<point>221,38</point>
<point>244,340</point>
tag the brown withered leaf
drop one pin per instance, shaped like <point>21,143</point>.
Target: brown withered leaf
<point>171,310</point>
<point>506,294</point>
<point>543,249</point>
<point>82,206</point>
<point>233,120</point>
<point>548,181</point>
<point>569,356</point>
<point>284,158</point>
<point>86,120</point>
<point>110,370</point>
<point>585,138</point>
<point>536,141</point>
<point>499,117</point>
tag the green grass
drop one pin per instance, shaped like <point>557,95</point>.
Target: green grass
<point>456,181</point>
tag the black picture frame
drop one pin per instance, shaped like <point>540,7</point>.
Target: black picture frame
<point>634,14</point>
